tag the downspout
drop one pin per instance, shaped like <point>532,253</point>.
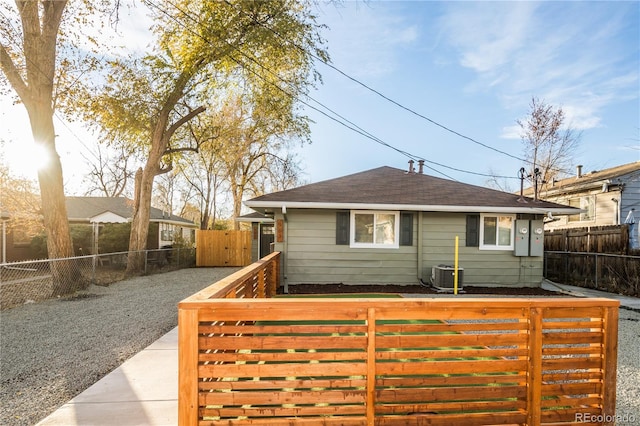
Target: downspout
<point>420,248</point>
<point>285,246</point>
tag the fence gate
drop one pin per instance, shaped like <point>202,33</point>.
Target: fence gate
<point>223,248</point>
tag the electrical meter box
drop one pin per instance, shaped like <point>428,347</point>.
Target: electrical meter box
<point>536,246</point>
<point>522,238</point>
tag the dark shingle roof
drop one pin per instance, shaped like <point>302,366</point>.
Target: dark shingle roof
<point>84,208</point>
<point>391,186</point>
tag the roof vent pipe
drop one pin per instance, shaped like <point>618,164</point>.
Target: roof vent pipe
<point>421,166</point>
<point>579,171</point>
<point>411,169</point>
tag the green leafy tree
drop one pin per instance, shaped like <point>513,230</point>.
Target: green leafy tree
<point>202,47</point>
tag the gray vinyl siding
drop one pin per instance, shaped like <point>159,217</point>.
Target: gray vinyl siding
<point>631,196</point>
<point>314,257</point>
<point>481,267</point>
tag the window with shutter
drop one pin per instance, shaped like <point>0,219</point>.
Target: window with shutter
<point>406,229</point>
<point>342,228</point>
<point>473,230</point>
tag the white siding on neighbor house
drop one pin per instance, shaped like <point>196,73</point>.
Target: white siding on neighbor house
<point>481,267</point>
<point>606,212</point>
<point>312,256</point>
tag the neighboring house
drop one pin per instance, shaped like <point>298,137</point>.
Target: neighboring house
<point>164,227</point>
<point>262,233</point>
<point>605,197</point>
<point>390,226</point>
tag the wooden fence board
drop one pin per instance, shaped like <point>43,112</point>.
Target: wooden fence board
<point>223,248</point>
<point>593,239</point>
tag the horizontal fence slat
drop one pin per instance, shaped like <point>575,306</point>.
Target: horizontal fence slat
<point>450,367</point>
<point>283,370</point>
<point>282,397</point>
<point>265,383</point>
<point>282,342</point>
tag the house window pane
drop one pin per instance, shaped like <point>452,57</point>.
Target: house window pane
<point>490,226</point>
<point>385,228</point>
<point>504,231</point>
<point>364,228</point>
<point>587,203</point>
<point>375,229</point>
<point>496,232</point>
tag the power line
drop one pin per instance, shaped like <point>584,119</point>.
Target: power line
<point>385,97</point>
<point>352,126</point>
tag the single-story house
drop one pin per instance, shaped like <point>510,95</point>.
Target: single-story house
<point>164,228</point>
<point>393,226</point>
<point>605,197</point>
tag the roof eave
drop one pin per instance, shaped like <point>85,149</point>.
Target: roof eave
<point>411,207</point>
<point>175,222</point>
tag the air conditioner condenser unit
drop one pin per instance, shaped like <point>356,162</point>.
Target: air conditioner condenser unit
<point>442,277</point>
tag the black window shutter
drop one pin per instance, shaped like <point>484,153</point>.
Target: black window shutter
<point>342,228</point>
<point>406,229</point>
<point>473,230</point>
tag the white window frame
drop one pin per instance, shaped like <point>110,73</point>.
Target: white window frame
<point>167,229</point>
<point>584,202</point>
<point>496,246</point>
<point>352,230</point>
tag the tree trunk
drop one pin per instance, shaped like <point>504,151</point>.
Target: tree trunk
<point>66,276</point>
<point>140,221</point>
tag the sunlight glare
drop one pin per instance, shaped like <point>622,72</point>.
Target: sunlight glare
<point>28,159</point>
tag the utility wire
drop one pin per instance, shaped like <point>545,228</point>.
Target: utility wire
<point>352,126</point>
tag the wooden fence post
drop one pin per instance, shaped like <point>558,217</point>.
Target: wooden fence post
<point>534,379</point>
<point>187,366</point>
<point>262,291</point>
<point>371,366</point>
<point>609,363</point>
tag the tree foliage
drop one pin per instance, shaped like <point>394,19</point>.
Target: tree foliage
<point>547,141</point>
<point>204,49</point>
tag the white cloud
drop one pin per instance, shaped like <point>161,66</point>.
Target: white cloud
<point>511,132</point>
<point>573,55</point>
<point>364,42</point>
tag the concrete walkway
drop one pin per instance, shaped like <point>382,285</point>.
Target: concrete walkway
<point>627,302</point>
<point>144,390</point>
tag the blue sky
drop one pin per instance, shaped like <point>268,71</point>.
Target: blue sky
<point>474,67</point>
<point>470,66</point>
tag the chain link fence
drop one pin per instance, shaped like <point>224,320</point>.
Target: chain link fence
<point>613,273</point>
<point>23,282</point>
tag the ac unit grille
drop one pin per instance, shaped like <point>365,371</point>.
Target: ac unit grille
<point>442,276</point>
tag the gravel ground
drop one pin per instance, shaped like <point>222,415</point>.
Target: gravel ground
<point>53,350</point>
